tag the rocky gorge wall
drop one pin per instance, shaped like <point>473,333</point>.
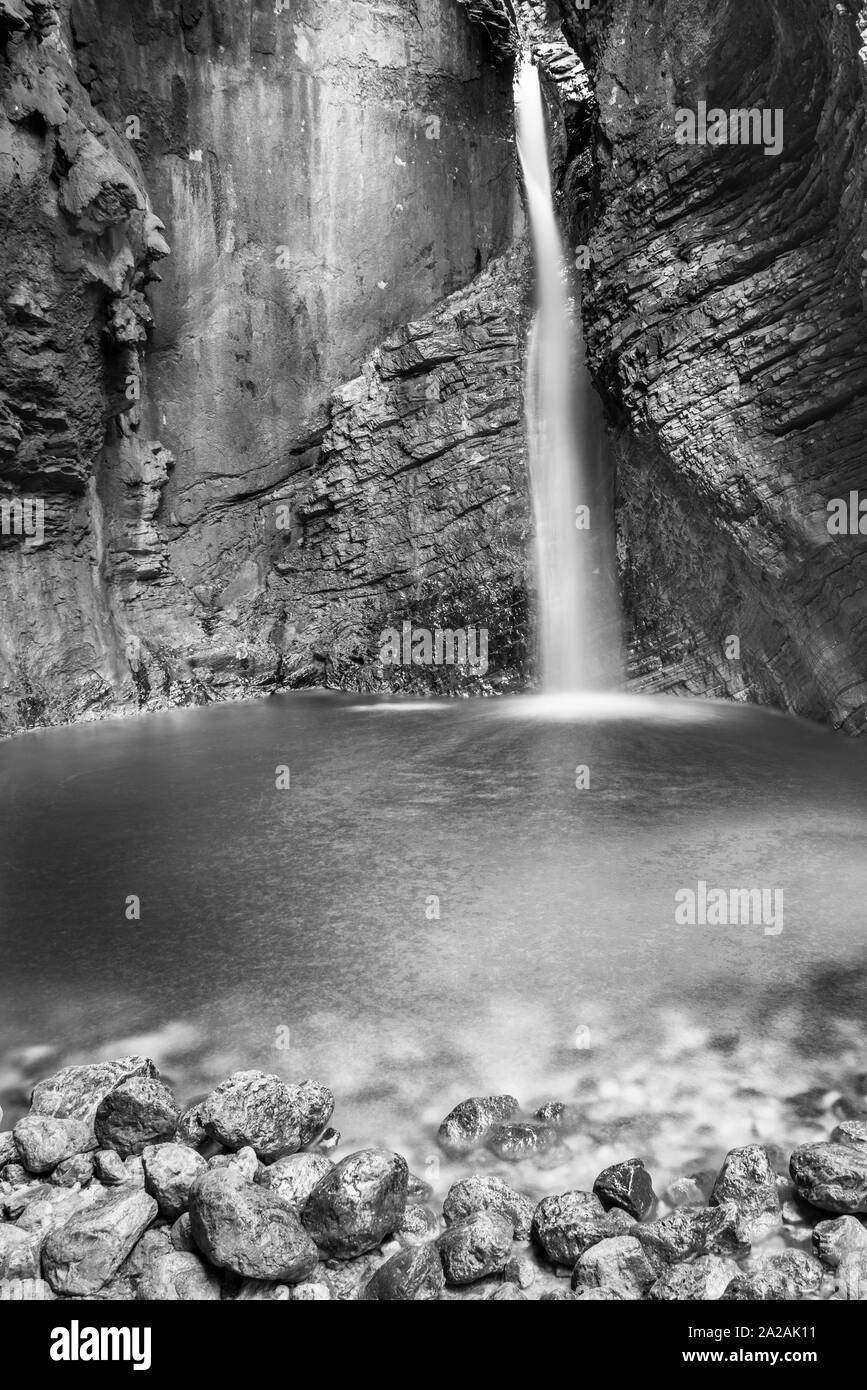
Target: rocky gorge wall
<point>725,312</point>
<point>323,177</point>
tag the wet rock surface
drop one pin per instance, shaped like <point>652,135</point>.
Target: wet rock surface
<point>411,1275</point>
<point>19,1253</point>
<point>565,1242</point>
<point>294,1176</point>
<point>627,1186</point>
<point>696,1231</point>
<point>747,1179</point>
<point>404,437</point>
<point>786,1276</point>
<point>44,1141</point>
<point>619,1263</point>
<point>77,1092</point>
<point>474,1247</point>
<point>513,1142</point>
<point>257,1111</point>
<point>482,1193</point>
<point>851,1132</point>
<point>831,1176</point>
<point>358,1203</point>
<point>134,1114</point>
<point>179,1277</point>
<point>169,1172</point>
<point>702,1279</point>
<point>80,1256</point>
<point>472,1121</point>
<point>834,1240</point>
<point>555,1218</point>
<point>418,1226</point>
<point>249,1230</point>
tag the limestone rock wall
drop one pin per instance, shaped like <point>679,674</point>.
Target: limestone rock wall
<point>79,239</point>
<point>726,319</point>
<point>416,506</point>
<point>323,174</point>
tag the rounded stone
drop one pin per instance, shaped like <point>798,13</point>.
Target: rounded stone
<point>19,1252</point>
<point>43,1141</point>
<point>412,1275</point>
<point>513,1142</point>
<point>565,1243</point>
<point>620,1263</point>
<point>73,1172</point>
<point>241,1226</point>
<point>419,1225</point>
<point>831,1176</point>
<point>554,1216</point>
<point>520,1272</point>
<point>83,1254</point>
<point>704,1279</point>
<point>294,1176</point>
<point>482,1193</point>
<point>178,1277</point>
<point>852,1132</point>
<point>475,1247</point>
<point>169,1172</point>
<point>244,1161</point>
<point>628,1186</point>
<point>182,1235</point>
<point>748,1180</point>
<point>252,1109</point>
<point>136,1113</point>
<point>108,1167</point>
<point>834,1240</point>
<point>359,1202</point>
<point>465,1127</point>
<point>77,1092</point>
<point>316,1106</point>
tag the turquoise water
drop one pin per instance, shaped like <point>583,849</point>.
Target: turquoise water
<point>296,929</point>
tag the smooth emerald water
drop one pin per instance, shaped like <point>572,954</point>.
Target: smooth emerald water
<point>294,930</point>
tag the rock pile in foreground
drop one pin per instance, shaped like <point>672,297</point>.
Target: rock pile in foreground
<point>108,1190</point>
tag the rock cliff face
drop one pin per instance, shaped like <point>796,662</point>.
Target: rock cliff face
<point>415,505</point>
<point>726,317</point>
<point>323,174</point>
<point>79,239</point>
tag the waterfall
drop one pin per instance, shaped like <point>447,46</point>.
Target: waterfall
<point>577,609</point>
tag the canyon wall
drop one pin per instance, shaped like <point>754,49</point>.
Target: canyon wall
<point>726,317</point>
<point>311,179</point>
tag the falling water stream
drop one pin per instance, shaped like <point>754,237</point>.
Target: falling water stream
<point>576,623</point>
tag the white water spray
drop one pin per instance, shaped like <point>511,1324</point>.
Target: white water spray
<point>577,624</point>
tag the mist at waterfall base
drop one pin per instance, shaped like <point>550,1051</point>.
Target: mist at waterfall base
<point>577,629</point>
<point>290,930</point>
